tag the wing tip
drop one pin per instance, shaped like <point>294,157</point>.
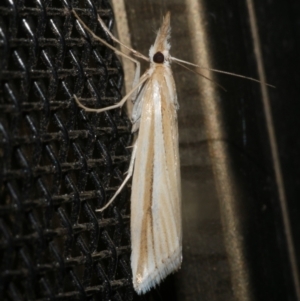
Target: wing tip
<point>153,278</point>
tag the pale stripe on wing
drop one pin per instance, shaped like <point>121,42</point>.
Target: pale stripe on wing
<point>156,226</point>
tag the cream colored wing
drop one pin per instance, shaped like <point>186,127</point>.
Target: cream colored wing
<point>156,193</point>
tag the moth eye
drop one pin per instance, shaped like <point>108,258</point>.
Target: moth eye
<point>158,58</point>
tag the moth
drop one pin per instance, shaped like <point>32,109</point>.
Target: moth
<point>156,234</point>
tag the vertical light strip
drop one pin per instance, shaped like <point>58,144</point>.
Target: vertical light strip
<point>228,191</point>
<point>274,148</point>
<point>124,36</point>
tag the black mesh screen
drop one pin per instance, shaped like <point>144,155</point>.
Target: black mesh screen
<point>59,163</point>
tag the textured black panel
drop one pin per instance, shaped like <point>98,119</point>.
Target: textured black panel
<point>59,163</point>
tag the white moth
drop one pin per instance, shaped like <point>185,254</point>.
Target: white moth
<point>156,191</point>
<point>156,235</point>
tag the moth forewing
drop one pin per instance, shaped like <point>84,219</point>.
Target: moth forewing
<point>156,197</point>
<point>156,194</point>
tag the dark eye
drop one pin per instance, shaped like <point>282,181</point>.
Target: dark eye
<point>158,58</point>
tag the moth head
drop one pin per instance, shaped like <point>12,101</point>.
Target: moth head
<point>159,52</point>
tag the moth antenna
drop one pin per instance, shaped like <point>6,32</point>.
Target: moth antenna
<point>134,52</point>
<point>222,72</point>
<point>211,80</point>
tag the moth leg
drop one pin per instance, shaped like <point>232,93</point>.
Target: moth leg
<point>129,174</point>
<point>144,77</point>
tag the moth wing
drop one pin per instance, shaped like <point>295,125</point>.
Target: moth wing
<point>156,192</point>
<point>137,109</point>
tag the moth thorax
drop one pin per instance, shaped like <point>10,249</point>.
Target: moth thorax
<point>158,58</point>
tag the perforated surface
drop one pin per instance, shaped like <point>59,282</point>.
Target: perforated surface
<point>59,163</point>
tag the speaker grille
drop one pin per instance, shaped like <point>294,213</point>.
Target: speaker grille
<point>59,163</point>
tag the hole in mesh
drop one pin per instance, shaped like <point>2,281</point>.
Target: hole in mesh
<point>50,33</point>
<point>42,66</point>
<point>69,67</point>
<point>32,3</point>
<point>58,242</point>
<point>58,4</point>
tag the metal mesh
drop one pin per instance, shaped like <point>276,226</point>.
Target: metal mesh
<point>59,163</point>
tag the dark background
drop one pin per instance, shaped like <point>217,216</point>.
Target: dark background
<point>234,247</point>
